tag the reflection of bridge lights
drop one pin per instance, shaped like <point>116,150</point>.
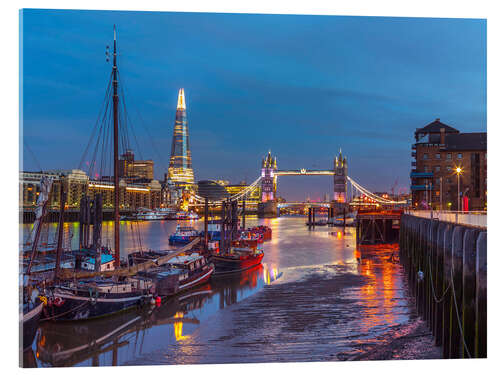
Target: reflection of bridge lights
<point>339,235</point>
<point>178,327</point>
<point>271,275</point>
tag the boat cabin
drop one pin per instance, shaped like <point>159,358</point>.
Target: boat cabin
<point>107,263</point>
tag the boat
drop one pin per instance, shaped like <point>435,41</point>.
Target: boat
<point>236,259</point>
<point>89,295</point>
<point>266,232</point>
<point>184,215</point>
<point>183,235</point>
<point>180,273</point>
<point>94,298</point>
<point>29,318</point>
<point>138,257</point>
<point>156,214</point>
<point>350,220</point>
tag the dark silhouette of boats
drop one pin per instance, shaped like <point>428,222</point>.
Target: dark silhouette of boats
<point>68,344</point>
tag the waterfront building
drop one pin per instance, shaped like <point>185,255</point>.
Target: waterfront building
<point>180,170</point>
<point>29,188</point>
<point>340,179</point>
<point>77,184</point>
<point>440,151</point>
<point>135,170</point>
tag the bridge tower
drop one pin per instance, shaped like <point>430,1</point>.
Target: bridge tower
<point>268,206</point>
<point>340,179</point>
<point>269,178</point>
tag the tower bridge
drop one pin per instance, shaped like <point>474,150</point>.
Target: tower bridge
<point>267,182</point>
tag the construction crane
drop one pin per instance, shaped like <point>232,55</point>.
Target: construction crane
<point>394,187</point>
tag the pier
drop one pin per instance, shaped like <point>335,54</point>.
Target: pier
<point>445,260</point>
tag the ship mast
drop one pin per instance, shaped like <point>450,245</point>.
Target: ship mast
<point>115,157</point>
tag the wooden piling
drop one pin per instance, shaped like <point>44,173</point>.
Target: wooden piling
<point>439,286</point>
<point>469,290</point>
<point>481,311</point>
<point>456,295</point>
<point>447,301</point>
<point>432,271</point>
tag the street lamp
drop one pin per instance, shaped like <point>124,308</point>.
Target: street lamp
<point>458,170</point>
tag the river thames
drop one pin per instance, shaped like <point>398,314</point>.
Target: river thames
<point>314,298</point>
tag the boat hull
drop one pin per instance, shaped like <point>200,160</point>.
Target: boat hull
<point>30,325</point>
<point>200,279</point>
<point>228,265</point>
<point>75,307</point>
<point>180,240</point>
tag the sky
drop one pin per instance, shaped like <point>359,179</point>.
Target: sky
<point>300,86</point>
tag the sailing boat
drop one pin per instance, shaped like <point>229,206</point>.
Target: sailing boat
<point>96,296</point>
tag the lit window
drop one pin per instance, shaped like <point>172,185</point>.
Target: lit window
<point>459,156</point>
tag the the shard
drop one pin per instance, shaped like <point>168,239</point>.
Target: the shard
<point>180,170</point>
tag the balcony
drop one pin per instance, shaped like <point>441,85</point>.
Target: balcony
<point>421,174</point>
<point>413,154</point>
<point>413,163</point>
<point>421,187</point>
<point>414,146</point>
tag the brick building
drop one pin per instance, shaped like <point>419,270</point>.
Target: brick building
<point>440,151</point>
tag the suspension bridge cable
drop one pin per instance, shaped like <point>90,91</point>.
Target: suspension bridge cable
<point>372,195</point>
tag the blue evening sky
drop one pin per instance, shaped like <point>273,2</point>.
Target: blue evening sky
<point>301,86</point>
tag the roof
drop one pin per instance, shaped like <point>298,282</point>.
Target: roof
<point>435,127</point>
<point>185,258</point>
<point>466,142</point>
<point>105,258</point>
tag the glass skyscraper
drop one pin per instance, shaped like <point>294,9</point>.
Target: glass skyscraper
<point>180,170</point>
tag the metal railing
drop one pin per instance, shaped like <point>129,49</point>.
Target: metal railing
<point>472,218</point>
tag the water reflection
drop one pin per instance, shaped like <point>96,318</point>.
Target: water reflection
<point>383,286</point>
<point>315,297</point>
<point>168,326</point>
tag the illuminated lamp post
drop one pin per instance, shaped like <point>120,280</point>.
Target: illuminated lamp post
<point>458,170</point>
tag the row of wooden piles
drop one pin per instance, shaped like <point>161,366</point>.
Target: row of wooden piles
<point>446,268</point>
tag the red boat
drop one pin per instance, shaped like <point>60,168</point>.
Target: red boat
<point>266,232</point>
<point>249,239</point>
<point>236,260</point>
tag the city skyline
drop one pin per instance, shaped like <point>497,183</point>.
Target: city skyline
<point>250,89</point>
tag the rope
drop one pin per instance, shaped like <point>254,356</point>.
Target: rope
<point>437,300</point>
<point>64,313</point>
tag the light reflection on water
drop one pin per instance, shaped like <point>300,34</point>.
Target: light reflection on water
<point>315,297</point>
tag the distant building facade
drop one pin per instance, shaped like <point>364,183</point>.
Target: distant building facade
<point>180,170</point>
<point>135,170</point>
<point>438,151</point>
<point>76,183</point>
